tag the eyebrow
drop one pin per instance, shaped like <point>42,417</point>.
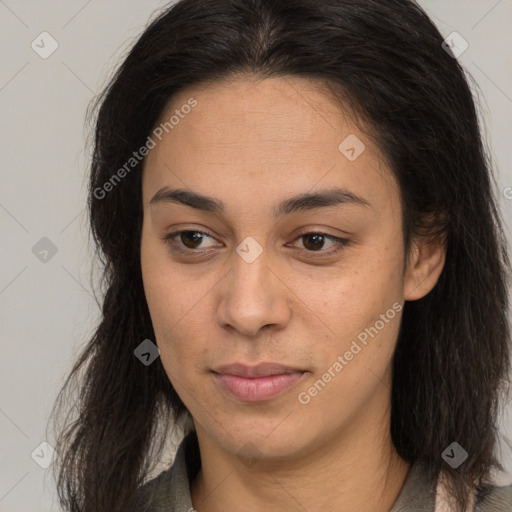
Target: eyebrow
<point>299,203</point>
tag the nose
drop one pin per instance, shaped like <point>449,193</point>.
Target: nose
<point>253,296</point>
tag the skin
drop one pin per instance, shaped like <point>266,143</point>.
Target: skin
<point>252,143</point>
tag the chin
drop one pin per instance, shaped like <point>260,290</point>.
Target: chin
<point>265,439</point>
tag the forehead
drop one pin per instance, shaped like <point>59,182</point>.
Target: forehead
<point>252,138</point>
<point>250,114</point>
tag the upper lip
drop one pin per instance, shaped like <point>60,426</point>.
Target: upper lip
<point>260,370</point>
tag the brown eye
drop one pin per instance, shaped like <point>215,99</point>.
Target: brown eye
<point>313,242</point>
<point>189,240</point>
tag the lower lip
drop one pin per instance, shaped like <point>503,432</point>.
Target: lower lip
<point>258,389</point>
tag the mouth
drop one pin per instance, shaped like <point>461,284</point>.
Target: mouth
<point>260,370</point>
<point>258,383</point>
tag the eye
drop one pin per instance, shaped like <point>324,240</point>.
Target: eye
<point>314,241</point>
<point>188,238</point>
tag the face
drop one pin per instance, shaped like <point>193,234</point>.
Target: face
<point>316,286</point>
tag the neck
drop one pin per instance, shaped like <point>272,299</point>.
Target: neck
<point>357,469</point>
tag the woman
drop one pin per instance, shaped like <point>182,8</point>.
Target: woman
<point>303,257</point>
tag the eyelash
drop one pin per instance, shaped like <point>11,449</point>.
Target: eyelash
<point>342,243</point>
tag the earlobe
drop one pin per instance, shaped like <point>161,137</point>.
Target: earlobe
<point>425,266</point>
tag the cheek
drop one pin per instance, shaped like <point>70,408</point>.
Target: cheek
<point>162,293</point>
<point>175,308</point>
<point>354,301</point>
<point>167,296</point>
<point>355,357</point>
<point>175,336</point>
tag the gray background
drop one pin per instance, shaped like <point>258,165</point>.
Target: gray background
<point>47,310</point>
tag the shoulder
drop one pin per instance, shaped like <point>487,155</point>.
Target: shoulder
<point>170,490</point>
<point>494,499</point>
<point>153,496</point>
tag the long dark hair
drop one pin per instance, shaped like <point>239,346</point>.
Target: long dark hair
<point>385,60</point>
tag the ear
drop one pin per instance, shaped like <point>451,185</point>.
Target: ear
<point>426,261</point>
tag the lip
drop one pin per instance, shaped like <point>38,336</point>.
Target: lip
<point>258,383</point>
<point>260,370</point>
